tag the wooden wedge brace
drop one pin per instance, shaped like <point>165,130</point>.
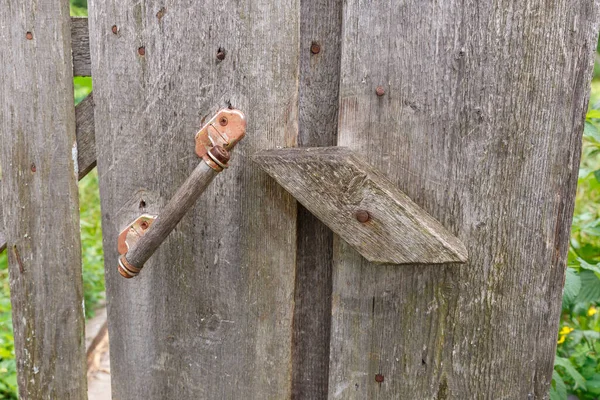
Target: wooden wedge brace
<point>86,145</point>
<point>360,204</point>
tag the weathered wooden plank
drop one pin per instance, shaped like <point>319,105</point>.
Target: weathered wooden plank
<point>39,195</point>
<point>86,145</point>
<point>481,126</point>
<point>211,315</point>
<point>82,65</point>
<point>362,206</point>
<point>320,52</point>
<point>86,138</point>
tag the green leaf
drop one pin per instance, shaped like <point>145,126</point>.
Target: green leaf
<point>572,287</point>
<point>590,286</point>
<point>571,371</point>
<point>592,114</point>
<point>558,389</point>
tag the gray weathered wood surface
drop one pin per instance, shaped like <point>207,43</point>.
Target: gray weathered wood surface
<point>40,199</point>
<point>82,66</point>
<point>335,184</point>
<point>211,315</point>
<point>320,24</point>
<point>86,146</point>
<point>480,125</point>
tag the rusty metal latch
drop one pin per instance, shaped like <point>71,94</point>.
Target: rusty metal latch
<point>140,239</point>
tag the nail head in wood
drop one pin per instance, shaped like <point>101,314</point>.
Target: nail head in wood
<point>380,91</point>
<point>363,216</point>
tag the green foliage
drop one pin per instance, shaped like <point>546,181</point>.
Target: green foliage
<point>577,363</point>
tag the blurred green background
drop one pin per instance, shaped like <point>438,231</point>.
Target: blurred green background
<point>577,369</point>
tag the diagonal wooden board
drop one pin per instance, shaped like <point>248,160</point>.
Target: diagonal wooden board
<point>334,183</point>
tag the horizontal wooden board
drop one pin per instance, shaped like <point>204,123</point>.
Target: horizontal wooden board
<point>80,39</point>
<point>337,186</point>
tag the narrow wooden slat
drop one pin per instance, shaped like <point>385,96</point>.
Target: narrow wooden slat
<point>481,126</point>
<point>211,314</point>
<point>336,185</point>
<point>82,65</point>
<point>40,199</point>
<point>86,145</point>
<point>320,52</point>
<point>86,138</point>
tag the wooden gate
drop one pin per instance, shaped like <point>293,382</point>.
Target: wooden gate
<point>473,109</point>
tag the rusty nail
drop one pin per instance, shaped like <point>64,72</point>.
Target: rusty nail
<point>362,216</point>
<point>29,35</point>
<point>33,167</point>
<point>220,54</point>
<point>379,378</point>
<point>144,225</point>
<point>315,48</point>
<point>142,51</point>
<point>380,91</point>
<point>114,29</point>
<point>223,121</point>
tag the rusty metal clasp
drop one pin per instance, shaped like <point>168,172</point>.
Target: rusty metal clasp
<point>225,129</point>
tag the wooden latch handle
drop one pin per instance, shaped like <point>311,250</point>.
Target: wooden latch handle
<point>142,237</point>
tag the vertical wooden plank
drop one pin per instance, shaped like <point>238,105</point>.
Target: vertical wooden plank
<point>211,314</point>
<point>481,125</point>
<point>38,153</point>
<point>320,52</point>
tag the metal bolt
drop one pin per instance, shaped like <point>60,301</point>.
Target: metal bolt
<point>114,29</point>
<point>29,35</point>
<point>315,48</point>
<point>144,225</point>
<point>379,378</point>
<point>380,91</point>
<point>363,216</point>
<point>223,121</point>
<point>220,154</point>
<point>33,167</point>
<point>220,54</point>
<point>142,51</point>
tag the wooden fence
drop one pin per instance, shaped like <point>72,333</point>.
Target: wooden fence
<point>473,109</point>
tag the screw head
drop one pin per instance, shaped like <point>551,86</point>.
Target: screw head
<point>380,91</point>
<point>142,51</point>
<point>144,225</point>
<point>362,216</point>
<point>29,36</point>
<point>114,29</point>
<point>220,55</point>
<point>315,48</point>
<point>223,121</point>
<point>379,378</point>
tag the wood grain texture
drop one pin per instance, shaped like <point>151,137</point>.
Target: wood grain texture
<point>40,199</point>
<point>86,145</point>
<point>334,184</point>
<point>181,202</point>
<point>82,65</point>
<point>320,24</point>
<point>480,125</point>
<point>211,315</point>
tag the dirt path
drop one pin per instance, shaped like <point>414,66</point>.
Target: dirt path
<point>98,360</point>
